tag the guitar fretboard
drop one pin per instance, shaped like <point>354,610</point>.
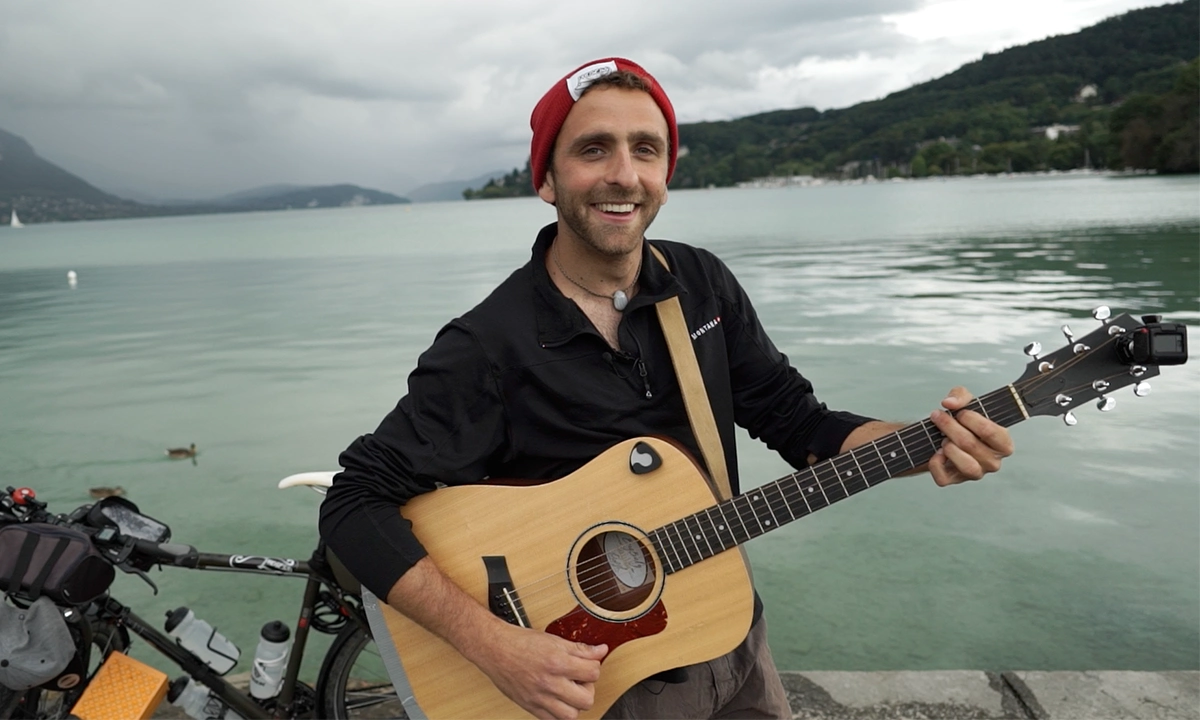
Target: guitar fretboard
<point>728,524</point>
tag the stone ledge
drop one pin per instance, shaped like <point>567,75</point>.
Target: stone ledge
<point>979,695</point>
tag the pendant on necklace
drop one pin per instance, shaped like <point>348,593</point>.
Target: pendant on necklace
<point>620,300</point>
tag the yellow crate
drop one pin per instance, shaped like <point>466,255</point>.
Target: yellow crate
<point>122,689</point>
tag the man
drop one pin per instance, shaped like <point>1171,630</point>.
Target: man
<point>565,359</point>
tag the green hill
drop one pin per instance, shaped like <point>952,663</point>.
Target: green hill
<point>987,116</point>
<point>1121,93</point>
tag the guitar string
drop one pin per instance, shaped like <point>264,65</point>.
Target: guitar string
<point>894,440</point>
<point>530,590</point>
<point>858,484</point>
<point>826,483</point>
<point>788,498</point>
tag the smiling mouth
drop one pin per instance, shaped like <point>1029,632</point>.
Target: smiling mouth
<point>615,207</point>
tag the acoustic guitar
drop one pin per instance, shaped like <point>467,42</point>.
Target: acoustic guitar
<point>631,550</point>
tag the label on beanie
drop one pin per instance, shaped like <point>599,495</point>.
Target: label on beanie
<point>578,82</point>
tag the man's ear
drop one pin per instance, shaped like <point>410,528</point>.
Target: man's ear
<point>546,191</point>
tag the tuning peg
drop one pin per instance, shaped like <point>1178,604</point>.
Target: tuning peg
<point>1033,349</point>
<point>1080,348</point>
<point>1137,370</point>
<point>1070,419</point>
<point>1105,403</point>
<point>1062,400</point>
<point>1115,330</point>
<point>1102,313</point>
<point>1142,389</point>
<point>1066,331</point>
<point>1100,385</point>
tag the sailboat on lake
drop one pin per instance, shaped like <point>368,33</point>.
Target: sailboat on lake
<point>16,222</point>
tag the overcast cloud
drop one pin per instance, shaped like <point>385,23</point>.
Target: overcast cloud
<point>174,99</point>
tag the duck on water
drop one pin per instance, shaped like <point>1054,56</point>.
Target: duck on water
<point>181,453</point>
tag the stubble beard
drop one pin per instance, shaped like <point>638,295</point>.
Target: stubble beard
<point>606,240</point>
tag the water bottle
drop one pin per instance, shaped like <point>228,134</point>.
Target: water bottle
<point>202,640</point>
<point>270,657</point>
<point>198,701</point>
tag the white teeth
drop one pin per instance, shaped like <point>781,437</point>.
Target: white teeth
<point>615,208</point>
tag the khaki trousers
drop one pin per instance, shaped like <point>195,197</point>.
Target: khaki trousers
<point>741,684</point>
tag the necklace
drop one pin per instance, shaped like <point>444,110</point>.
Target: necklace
<point>620,298</point>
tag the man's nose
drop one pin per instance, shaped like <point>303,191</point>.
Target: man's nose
<point>620,169</point>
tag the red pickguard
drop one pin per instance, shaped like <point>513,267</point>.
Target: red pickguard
<point>581,626</point>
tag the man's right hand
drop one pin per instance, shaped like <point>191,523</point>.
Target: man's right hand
<point>546,675</point>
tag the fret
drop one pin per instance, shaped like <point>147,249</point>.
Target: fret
<point>720,530</point>
<point>819,486</point>
<point>882,461</point>
<point>982,409</point>
<point>662,543</point>
<point>857,464</point>
<point>892,462</point>
<point>841,475</point>
<point>800,492</point>
<point>762,509</point>
<point>932,443</point>
<point>696,536</point>
<point>725,526</point>
<point>778,487</point>
<point>732,522</point>
<point>741,522</point>
<point>749,508</point>
<point>900,439</point>
<point>679,543</point>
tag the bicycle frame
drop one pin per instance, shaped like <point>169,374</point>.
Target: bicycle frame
<point>317,573</point>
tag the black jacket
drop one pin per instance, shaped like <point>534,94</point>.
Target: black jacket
<point>523,386</point>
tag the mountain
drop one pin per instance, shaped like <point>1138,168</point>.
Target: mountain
<point>449,190</point>
<point>293,197</point>
<point>995,114</point>
<point>258,193</point>
<point>41,191</point>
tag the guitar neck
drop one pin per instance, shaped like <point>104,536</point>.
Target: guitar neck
<point>744,517</point>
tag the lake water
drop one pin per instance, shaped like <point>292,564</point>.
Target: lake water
<point>272,340</point>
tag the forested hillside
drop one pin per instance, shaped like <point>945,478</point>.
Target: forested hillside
<point>990,115</point>
<point>1120,94</point>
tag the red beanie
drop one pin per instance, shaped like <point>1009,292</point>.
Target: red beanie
<point>552,109</point>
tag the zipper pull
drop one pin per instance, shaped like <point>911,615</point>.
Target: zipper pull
<point>645,383</point>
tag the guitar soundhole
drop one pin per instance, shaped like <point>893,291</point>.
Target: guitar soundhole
<point>615,571</point>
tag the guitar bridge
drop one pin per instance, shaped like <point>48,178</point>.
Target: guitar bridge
<point>503,600</point>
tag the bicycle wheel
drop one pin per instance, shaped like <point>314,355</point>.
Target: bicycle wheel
<point>41,704</point>
<point>353,682</point>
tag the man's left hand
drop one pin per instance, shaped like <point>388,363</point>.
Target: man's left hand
<point>974,445</point>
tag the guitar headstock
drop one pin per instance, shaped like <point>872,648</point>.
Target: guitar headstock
<point>1122,351</point>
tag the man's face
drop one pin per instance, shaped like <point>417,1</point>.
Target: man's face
<point>608,174</point>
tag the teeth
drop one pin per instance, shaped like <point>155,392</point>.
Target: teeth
<point>616,208</point>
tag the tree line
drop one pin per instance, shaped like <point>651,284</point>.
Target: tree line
<point>1120,94</point>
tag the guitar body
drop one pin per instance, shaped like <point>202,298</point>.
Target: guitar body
<point>581,566</point>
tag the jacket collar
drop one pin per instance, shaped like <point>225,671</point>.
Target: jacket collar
<point>559,319</point>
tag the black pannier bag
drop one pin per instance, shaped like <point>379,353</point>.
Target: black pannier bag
<point>38,559</point>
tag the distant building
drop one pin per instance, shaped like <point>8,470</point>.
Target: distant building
<point>1087,92</point>
<point>1053,131</point>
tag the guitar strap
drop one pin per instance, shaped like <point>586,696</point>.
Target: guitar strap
<point>695,397</point>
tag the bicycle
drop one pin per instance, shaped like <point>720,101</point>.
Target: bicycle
<point>350,683</point>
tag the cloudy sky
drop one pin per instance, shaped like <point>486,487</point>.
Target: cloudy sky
<point>196,99</point>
